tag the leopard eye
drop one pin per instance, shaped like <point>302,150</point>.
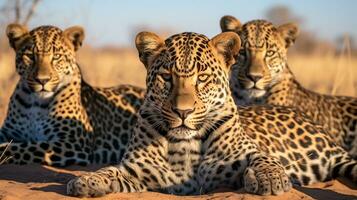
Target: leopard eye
<point>56,56</point>
<point>166,76</point>
<point>270,53</point>
<point>203,78</point>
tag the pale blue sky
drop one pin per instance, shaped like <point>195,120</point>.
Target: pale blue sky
<point>110,22</point>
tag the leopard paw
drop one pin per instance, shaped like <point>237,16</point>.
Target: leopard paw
<point>266,182</point>
<point>89,185</point>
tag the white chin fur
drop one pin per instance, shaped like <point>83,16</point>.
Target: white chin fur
<point>44,94</point>
<point>182,133</point>
<point>253,93</point>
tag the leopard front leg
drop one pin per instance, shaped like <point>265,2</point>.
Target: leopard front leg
<point>265,175</point>
<point>106,180</point>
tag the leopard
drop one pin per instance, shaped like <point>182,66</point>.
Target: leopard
<point>191,139</point>
<point>262,76</point>
<point>54,116</point>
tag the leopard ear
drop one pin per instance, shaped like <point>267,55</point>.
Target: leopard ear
<point>230,23</point>
<point>227,45</point>
<point>75,35</point>
<point>289,33</point>
<point>149,45</point>
<point>16,34</point>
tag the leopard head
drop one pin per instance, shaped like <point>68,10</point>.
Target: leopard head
<point>187,80</point>
<point>262,60</point>
<point>45,56</point>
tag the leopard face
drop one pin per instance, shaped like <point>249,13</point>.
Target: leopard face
<point>187,80</point>
<point>262,60</point>
<point>45,65</point>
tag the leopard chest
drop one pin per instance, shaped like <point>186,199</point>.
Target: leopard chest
<point>38,125</point>
<point>184,157</point>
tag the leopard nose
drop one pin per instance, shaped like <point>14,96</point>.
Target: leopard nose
<point>42,80</point>
<point>183,114</point>
<point>254,78</point>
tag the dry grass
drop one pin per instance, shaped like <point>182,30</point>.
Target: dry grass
<point>3,158</point>
<point>7,81</point>
<point>328,74</point>
<point>111,67</point>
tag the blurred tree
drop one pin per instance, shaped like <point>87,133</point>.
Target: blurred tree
<point>281,14</point>
<point>346,41</point>
<point>18,11</point>
<point>307,42</point>
<point>15,11</point>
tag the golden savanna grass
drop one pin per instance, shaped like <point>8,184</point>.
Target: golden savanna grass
<point>330,73</point>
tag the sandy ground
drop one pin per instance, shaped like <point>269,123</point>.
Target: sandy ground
<point>36,182</point>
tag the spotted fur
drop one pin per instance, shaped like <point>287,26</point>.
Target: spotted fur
<point>262,76</point>
<point>54,116</point>
<point>190,137</point>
